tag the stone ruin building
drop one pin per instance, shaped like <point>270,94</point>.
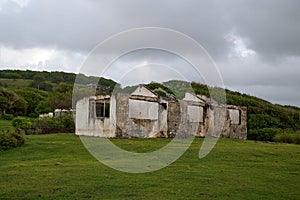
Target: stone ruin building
<point>144,113</point>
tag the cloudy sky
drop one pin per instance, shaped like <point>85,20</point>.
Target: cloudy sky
<point>254,43</point>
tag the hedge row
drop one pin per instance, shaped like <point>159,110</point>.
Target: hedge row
<point>274,135</point>
<point>29,126</point>
<point>288,137</point>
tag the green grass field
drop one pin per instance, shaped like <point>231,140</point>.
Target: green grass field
<point>58,166</point>
<point>5,124</point>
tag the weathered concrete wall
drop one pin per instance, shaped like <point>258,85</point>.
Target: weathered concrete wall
<point>186,118</point>
<point>140,109</point>
<point>234,116</point>
<point>152,125</point>
<point>146,116</point>
<point>193,98</point>
<point>235,125</point>
<point>82,116</point>
<point>142,91</point>
<point>88,124</point>
<point>195,113</point>
<point>173,118</point>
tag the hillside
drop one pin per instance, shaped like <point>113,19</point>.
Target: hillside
<point>30,93</point>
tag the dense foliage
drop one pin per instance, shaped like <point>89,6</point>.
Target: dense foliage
<point>10,139</point>
<point>53,77</point>
<point>28,126</point>
<point>157,86</point>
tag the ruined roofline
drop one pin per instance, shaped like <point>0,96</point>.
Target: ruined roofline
<point>206,102</point>
<point>140,97</point>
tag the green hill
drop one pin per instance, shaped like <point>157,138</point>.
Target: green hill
<point>29,93</point>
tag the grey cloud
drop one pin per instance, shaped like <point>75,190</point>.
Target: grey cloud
<point>80,25</point>
<point>271,26</point>
<point>272,29</point>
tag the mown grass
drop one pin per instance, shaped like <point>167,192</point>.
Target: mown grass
<point>58,166</point>
<point>5,125</point>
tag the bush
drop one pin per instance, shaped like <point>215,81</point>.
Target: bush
<point>64,123</point>
<point>22,123</point>
<point>265,134</point>
<point>10,139</point>
<point>288,137</point>
<point>29,126</point>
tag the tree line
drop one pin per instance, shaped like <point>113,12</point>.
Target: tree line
<point>50,90</point>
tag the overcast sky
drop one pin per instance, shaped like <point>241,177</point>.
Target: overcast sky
<point>255,43</point>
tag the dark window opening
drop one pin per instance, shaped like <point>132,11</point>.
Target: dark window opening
<point>164,105</point>
<point>102,109</point>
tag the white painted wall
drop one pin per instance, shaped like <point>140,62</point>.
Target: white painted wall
<point>82,115</point>
<point>191,97</point>
<point>195,113</point>
<point>142,91</point>
<point>89,125</point>
<point>234,116</point>
<point>143,109</point>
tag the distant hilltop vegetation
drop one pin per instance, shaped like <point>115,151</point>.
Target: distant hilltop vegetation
<point>30,93</point>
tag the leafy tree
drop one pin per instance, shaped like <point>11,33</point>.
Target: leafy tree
<point>43,107</point>
<point>60,100</point>
<point>20,106</point>
<point>11,103</point>
<point>33,98</point>
<point>64,88</point>
<point>37,80</point>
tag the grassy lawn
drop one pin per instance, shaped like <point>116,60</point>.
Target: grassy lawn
<point>5,124</point>
<point>58,166</point>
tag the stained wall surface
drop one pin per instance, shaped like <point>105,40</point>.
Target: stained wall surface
<point>144,114</point>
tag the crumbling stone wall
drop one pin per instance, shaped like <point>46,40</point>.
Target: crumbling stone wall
<point>173,118</point>
<point>134,127</point>
<point>232,130</point>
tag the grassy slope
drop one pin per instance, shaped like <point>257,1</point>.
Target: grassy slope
<point>58,166</point>
<point>16,83</point>
<point>5,124</point>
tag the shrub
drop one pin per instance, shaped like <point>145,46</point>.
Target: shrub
<point>64,123</point>
<point>29,126</point>
<point>68,122</point>
<point>265,134</point>
<point>22,123</point>
<point>288,137</point>
<point>10,139</point>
